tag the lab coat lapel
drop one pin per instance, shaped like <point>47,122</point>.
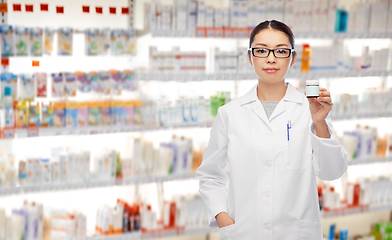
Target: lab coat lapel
<point>255,104</point>
<point>281,107</point>
<point>258,109</point>
<point>292,95</point>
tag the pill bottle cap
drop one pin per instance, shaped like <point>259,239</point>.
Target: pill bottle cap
<point>312,82</point>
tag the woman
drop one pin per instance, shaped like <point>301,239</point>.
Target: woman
<point>276,141</point>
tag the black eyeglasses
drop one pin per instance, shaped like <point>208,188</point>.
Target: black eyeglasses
<point>278,52</point>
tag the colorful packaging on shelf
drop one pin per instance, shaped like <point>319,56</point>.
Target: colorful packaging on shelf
<point>84,81</point>
<point>82,114</point>
<point>104,42</point>
<point>64,38</point>
<point>117,42</point>
<point>130,42</point>
<point>64,168</point>
<point>58,85</point>
<point>117,81</point>
<point>113,106</point>
<point>56,171</point>
<point>119,112</point>
<point>94,115</point>
<point>36,39</point>
<point>46,171</point>
<point>48,46</point>
<point>41,83</point>
<point>34,115</point>
<point>137,112</point>
<point>129,84</point>
<point>59,114</point>
<point>104,108</point>
<point>47,116</point>
<point>70,84</point>
<point>95,82</point>
<point>21,41</point>
<point>22,173</point>
<point>105,82</point>
<point>9,80</point>
<point>71,114</point>
<point>7,40</point>
<point>27,87</point>
<point>22,115</point>
<point>128,113</point>
<point>91,39</point>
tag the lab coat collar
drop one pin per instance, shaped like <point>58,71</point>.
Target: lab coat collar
<point>292,95</point>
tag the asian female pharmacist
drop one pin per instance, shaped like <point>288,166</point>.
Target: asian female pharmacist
<point>276,141</point>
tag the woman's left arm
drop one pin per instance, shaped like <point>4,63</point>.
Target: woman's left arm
<point>329,156</point>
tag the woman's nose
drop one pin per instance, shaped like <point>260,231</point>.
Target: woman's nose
<point>271,58</point>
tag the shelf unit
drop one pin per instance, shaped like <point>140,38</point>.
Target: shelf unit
<point>361,116</point>
<point>318,35</point>
<point>136,180</point>
<point>45,132</point>
<point>252,76</point>
<point>156,234</point>
<point>340,212</point>
<point>369,160</point>
<point>93,184</point>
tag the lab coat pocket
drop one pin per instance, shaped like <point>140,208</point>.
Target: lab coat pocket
<point>228,232</point>
<point>297,149</point>
<point>310,231</point>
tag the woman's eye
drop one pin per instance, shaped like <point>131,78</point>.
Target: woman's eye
<point>282,51</point>
<point>261,51</point>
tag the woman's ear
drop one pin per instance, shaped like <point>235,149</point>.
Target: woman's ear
<point>250,59</point>
<point>294,58</point>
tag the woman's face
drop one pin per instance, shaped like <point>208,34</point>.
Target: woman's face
<point>271,69</point>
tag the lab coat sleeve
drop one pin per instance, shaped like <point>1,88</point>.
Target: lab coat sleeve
<point>211,173</point>
<point>329,156</point>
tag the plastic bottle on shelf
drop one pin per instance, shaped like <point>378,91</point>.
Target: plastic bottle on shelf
<point>9,107</point>
<point>306,56</point>
<point>3,170</point>
<point>136,225</point>
<point>11,171</point>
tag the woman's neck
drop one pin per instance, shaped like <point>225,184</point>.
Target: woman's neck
<point>271,91</point>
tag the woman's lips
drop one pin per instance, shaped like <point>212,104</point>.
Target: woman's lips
<point>270,70</point>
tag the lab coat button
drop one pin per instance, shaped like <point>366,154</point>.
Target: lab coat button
<point>268,164</point>
<point>268,195</point>
<point>268,134</point>
<point>268,227</point>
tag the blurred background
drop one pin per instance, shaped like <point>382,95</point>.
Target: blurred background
<point>106,109</point>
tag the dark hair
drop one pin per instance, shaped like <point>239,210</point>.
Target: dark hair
<point>273,24</point>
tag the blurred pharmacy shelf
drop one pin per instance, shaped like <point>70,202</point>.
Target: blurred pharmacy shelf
<point>92,184</point>
<point>252,76</point>
<point>369,160</point>
<point>160,233</point>
<point>298,35</point>
<point>45,132</point>
<point>360,116</point>
<point>126,236</point>
<point>135,180</point>
<point>340,212</point>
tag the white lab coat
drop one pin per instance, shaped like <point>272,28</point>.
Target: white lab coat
<point>272,193</point>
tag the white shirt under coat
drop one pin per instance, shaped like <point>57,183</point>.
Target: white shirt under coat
<point>272,193</point>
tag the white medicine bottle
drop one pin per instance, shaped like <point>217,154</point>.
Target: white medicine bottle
<point>312,88</point>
